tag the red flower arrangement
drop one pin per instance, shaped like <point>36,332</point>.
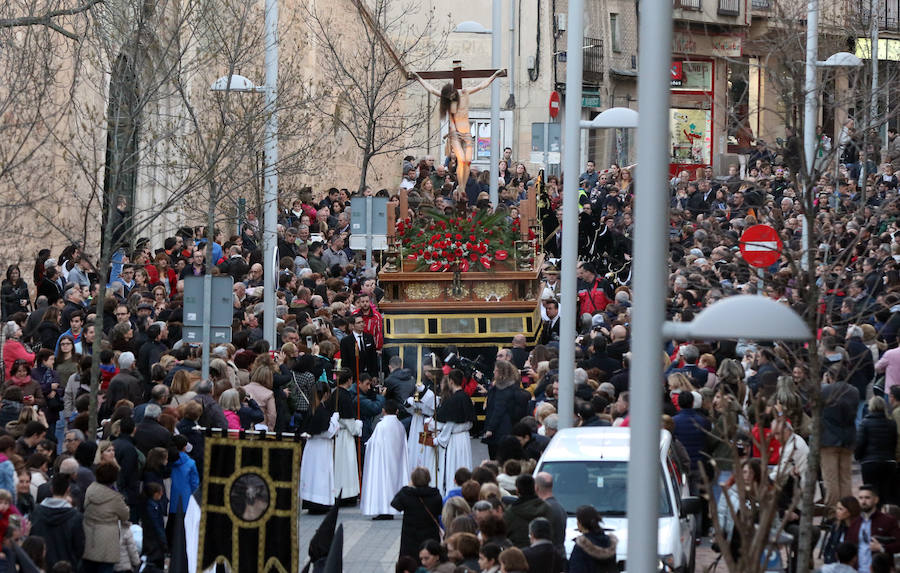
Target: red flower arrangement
<point>440,242</point>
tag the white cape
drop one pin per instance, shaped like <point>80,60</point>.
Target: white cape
<point>386,469</point>
<point>346,470</point>
<point>421,455</point>
<point>317,466</point>
<point>454,452</point>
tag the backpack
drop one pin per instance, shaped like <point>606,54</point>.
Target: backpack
<point>300,389</point>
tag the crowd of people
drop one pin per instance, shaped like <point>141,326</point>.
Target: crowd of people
<point>738,410</point>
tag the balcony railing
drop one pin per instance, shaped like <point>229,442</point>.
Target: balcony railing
<point>729,7</point>
<point>888,13</point>
<point>593,59</point>
<point>687,4</point>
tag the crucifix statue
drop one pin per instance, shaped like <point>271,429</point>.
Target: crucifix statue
<point>454,102</point>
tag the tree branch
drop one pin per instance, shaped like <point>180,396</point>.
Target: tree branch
<point>47,19</point>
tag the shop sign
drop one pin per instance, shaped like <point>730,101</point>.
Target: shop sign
<point>726,46</point>
<point>591,99</point>
<point>676,74</point>
<point>721,46</point>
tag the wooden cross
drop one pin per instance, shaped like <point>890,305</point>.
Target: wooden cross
<point>457,74</point>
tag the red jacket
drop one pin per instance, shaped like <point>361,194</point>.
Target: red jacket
<point>594,299</point>
<point>883,525</point>
<point>14,350</point>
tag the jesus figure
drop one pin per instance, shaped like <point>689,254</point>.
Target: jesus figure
<point>455,105</point>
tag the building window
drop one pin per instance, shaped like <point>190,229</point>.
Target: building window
<point>614,32</point>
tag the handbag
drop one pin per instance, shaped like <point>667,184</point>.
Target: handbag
<point>426,437</point>
<point>431,515</point>
<point>878,386</point>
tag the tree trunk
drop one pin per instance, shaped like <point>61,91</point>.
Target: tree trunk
<point>103,265</point>
<point>804,544</point>
<point>367,157</point>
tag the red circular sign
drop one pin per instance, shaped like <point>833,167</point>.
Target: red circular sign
<point>554,104</point>
<point>761,246</point>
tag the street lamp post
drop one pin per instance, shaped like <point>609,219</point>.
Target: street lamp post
<point>650,279</point>
<point>616,117</point>
<point>238,83</point>
<point>811,106</point>
<point>571,169</point>
<point>496,47</point>
<point>270,181</point>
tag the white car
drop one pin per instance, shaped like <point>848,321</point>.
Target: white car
<point>590,467</point>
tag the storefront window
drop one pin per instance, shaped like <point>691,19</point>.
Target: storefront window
<point>695,76</point>
<point>690,136</point>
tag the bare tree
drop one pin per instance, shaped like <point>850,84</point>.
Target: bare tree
<point>364,60</point>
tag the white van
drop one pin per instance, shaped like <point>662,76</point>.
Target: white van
<point>590,467</point>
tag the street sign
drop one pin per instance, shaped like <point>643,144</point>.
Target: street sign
<point>554,104</point>
<point>359,221</point>
<point>761,246</point>
<point>222,302</point>
<point>217,334</point>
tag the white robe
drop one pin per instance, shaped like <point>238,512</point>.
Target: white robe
<point>346,470</point>
<point>317,466</point>
<point>386,470</point>
<point>454,452</point>
<point>421,455</point>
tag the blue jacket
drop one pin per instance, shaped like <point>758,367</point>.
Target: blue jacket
<point>8,476</point>
<point>185,480</point>
<point>690,429</point>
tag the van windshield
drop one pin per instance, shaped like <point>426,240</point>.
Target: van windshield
<point>598,483</point>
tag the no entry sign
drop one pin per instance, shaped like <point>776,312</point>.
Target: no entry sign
<point>760,246</point>
<point>554,104</point>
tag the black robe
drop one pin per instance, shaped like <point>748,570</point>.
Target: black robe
<point>457,408</point>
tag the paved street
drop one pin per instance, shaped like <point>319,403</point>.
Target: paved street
<point>369,546</point>
<point>373,546</point>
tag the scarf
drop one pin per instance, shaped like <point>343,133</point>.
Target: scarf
<point>20,382</point>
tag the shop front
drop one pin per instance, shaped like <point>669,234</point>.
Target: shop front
<point>698,133</point>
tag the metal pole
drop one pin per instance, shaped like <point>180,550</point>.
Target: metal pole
<point>873,106</point>
<point>810,112</point>
<point>496,46</point>
<point>571,170</point>
<point>270,186</point>
<point>873,102</point>
<point>369,208</point>
<point>511,101</point>
<point>207,321</point>
<point>650,279</point>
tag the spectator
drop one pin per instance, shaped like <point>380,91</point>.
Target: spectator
<point>60,524</point>
<point>420,504</point>
<point>104,513</point>
<point>594,550</point>
<point>526,508</point>
<point>876,524</point>
<point>875,449</point>
<point>149,433</point>
<point>541,554</point>
<point>512,560</point>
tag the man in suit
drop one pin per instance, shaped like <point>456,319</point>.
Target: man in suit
<point>541,555</point>
<point>358,349</point>
<point>550,331</point>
